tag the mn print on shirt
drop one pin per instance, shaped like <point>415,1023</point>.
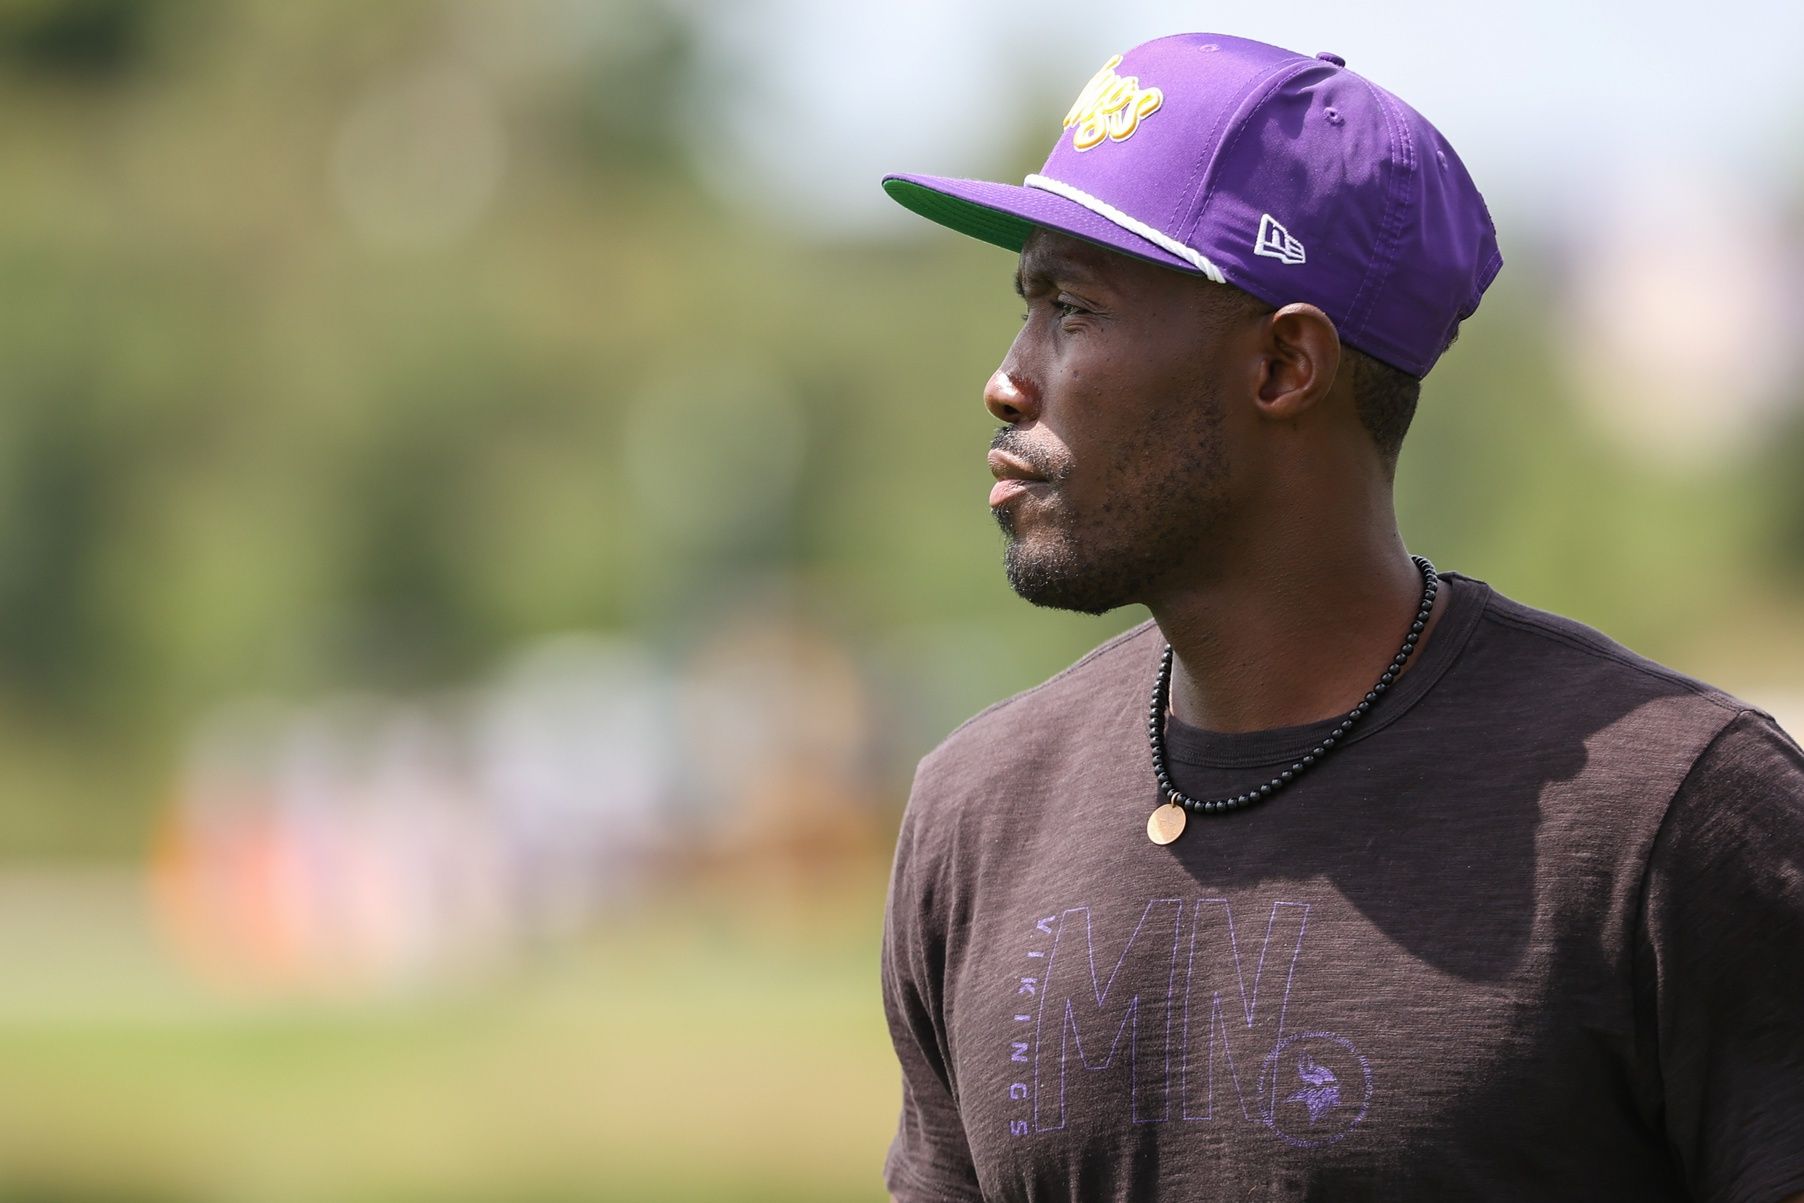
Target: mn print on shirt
<point>1176,1014</point>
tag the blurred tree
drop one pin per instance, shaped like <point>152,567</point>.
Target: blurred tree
<point>98,40</point>
<point>60,476</point>
<point>635,82</point>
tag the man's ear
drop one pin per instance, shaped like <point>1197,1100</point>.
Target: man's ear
<point>1299,360</point>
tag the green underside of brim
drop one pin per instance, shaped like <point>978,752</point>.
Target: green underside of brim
<point>1000,229</point>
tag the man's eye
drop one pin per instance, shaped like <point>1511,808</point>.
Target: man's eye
<point>1063,308</point>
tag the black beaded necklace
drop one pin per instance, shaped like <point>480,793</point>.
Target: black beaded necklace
<point>1167,820</point>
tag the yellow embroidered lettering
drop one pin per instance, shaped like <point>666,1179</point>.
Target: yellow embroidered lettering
<point>1087,98</point>
<point>1110,107</point>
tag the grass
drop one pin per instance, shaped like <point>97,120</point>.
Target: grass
<point>698,1049</point>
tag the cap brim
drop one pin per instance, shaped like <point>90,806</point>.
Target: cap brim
<point>1005,214</point>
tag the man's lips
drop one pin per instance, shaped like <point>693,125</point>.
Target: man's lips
<point>1005,491</point>
<point>1013,478</point>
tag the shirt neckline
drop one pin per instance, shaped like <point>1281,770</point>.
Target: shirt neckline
<point>1465,599</point>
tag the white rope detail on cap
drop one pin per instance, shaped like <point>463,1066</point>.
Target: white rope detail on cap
<point>1104,209</point>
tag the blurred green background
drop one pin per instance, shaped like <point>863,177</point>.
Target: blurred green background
<point>492,509</point>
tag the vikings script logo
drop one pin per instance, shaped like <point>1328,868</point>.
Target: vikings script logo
<point>1110,107</point>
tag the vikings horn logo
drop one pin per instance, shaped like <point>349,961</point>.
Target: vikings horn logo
<point>1110,107</point>
<point>1321,1090</point>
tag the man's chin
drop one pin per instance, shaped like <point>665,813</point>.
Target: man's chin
<point>1056,581</point>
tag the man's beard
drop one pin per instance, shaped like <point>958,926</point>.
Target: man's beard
<point>1130,546</point>
<point>1088,571</point>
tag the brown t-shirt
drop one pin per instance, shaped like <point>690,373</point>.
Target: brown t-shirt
<point>1535,931</point>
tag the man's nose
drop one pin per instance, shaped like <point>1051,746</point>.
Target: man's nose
<point>1009,398</point>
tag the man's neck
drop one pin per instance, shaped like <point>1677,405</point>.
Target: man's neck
<point>1284,641</point>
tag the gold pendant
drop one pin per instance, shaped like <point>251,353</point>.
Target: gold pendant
<point>1166,823</point>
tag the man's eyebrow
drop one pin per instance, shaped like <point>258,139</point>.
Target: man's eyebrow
<point>1019,283</point>
<point>1051,270</point>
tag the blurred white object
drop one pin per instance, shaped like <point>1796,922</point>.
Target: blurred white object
<point>1682,302</point>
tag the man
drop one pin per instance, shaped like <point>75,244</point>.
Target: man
<point>1340,879</point>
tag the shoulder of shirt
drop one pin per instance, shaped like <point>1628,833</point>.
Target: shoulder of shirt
<point>1582,648</point>
<point>1737,767</point>
<point>1054,694</point>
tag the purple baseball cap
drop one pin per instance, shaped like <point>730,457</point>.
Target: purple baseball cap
<point>1289,177</point>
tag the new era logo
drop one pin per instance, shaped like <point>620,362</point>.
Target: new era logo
<point>1275,242</point>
